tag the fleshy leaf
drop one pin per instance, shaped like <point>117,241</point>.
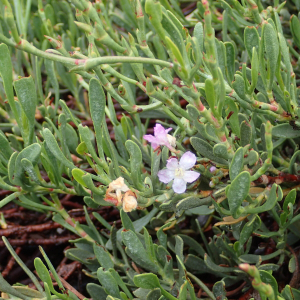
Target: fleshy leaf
<point>237,191</point>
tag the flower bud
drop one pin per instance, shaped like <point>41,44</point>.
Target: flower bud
<point>212,169</point>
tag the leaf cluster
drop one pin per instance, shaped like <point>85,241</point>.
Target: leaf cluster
<point>235,67</point>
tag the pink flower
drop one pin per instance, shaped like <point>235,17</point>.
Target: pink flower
<point>212,169</point>
<point>161,138</point>
<point>179,171</point>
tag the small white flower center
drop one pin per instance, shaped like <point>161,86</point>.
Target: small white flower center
<point>179,172</point>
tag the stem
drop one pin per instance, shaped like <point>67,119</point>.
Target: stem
<point>58,191</point>
<point>168,112</point>
<point>83,64</point>
<point>90,63</point>
<point>73,223</point>
<point>9,198</point>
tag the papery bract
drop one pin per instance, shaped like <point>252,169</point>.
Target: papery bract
<point>114,191</point>
<point>119,193</point>
<point>129,202</point>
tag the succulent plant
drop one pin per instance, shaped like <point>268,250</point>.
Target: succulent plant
<point>224,78</point>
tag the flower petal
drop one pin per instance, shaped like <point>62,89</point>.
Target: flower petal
<point>172,163</point>
<point>188,160</point>
<point>153,140</point>
<point>165,175</point>
<point>179,185</point>
<point>159,131</point>
<point>190,176</point>
<point>154,145</point>
<point>150,138</point>
<point>161,138</point>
